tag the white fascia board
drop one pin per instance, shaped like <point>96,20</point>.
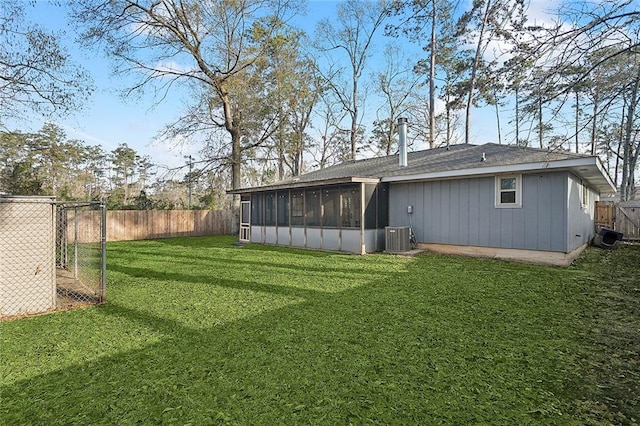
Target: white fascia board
<point>571,164</point>
<point>604,173</point>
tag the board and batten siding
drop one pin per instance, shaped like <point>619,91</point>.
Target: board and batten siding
<point>581,219</point>
<point>463,212</point>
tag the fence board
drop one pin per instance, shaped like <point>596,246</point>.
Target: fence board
<point>605,215</point>
<point>628,219</point>
<point>127,225</point>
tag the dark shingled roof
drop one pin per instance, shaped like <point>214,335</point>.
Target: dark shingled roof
<point>455,157</point>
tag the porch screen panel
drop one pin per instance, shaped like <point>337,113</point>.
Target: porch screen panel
<point>350,214</point>
<point>312,207</point>
<point>382,195</point>
<point>331,207</point>
<point>270,209</point>
<point>257,215</point>
<point>246,213</point>
<point>297,208</point>
<point>371,207</point>
<point>283,208</point>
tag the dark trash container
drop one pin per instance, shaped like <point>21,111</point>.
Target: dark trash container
<point>607,238</point>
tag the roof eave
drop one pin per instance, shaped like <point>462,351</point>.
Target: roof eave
<point>304,184</point>
<point>587,168</point>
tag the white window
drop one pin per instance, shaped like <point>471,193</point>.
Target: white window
<point>584,196</point>
<point>509,191</point>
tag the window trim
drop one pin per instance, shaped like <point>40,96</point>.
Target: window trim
<point>499,191</point>
<point>584,196</point>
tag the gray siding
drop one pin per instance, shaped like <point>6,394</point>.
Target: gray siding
<point>331,239</point>
<point>284,236</point>
<point>351,240</point>
<point>347,240</point>
<point>581,220</point>
<point>314,238</point>
<point>298,238</point>
<point>463,212</point>
<point>270,235</point>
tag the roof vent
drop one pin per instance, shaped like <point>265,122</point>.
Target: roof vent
<point>402,140</point>
<point>484,158</point>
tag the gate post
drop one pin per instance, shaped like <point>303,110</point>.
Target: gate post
<point>103,249</point>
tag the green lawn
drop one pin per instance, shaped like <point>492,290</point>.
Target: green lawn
<point>197,331</point>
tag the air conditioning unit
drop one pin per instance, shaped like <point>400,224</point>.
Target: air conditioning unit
<point>397,239</point>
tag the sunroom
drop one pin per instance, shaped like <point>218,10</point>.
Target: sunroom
<point>347,214</point>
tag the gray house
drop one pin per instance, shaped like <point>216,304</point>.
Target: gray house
<point>488,200</point>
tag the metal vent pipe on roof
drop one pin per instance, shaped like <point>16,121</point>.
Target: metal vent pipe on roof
<point>402,140</point>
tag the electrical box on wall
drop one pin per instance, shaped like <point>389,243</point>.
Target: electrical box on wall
<point>409,209</point>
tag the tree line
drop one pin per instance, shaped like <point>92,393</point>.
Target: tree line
<point>270,101</point>
<point>48,163</point>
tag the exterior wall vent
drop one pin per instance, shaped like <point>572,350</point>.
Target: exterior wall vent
<point>397,239</point>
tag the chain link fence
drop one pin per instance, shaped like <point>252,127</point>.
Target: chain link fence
<point>49,260</point>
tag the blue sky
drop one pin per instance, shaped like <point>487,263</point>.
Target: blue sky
<point>109,120</point>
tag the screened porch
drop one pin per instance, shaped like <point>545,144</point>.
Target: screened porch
<point>347,217</point>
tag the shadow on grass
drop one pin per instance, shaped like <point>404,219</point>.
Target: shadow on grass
<point>231,242</point>
<point>230,261</point>
<point>412,349</point>
<point>281,290</point>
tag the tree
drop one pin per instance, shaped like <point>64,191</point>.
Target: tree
<point>93,172</point>
<point>36,73</point>
<point>356,24</point>
<point>488,20</point>
<point>18,174</point>
<point>396,83</point>
<point>595,40</point>
<point>428,20</point>
<point>47,163</point>
<point>292,93</point>
<point>209,45</point>
<point>610,27</point>
<point>124,160</point>
<point>631,147</point>
<point>332,142</point>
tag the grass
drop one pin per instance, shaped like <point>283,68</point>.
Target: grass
<point>197,331</point>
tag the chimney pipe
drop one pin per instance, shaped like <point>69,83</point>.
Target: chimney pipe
<point>402,140</point>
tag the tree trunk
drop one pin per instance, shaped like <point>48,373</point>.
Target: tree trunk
<point>448,112</point>
<point>236,180</point>
<point>594,129</point>
<point>620,143</point>
<point>474,71</point>
<point>627,161</point>
<point>354,120</point>
<point>517,116</point>
<point>498,120</point>
<point>432,77</point>
<point>540,131</point>
<point>577,115</point>
<point>232,119</point>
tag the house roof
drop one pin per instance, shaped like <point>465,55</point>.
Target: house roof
<point>463,160</point>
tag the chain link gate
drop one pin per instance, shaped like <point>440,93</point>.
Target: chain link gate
<point>52,255</point>
<point>80,254</point>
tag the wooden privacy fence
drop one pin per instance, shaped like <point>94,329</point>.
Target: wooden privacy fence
<point>623,217</point>
<point>628,219</point>
<point>127,225</point>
